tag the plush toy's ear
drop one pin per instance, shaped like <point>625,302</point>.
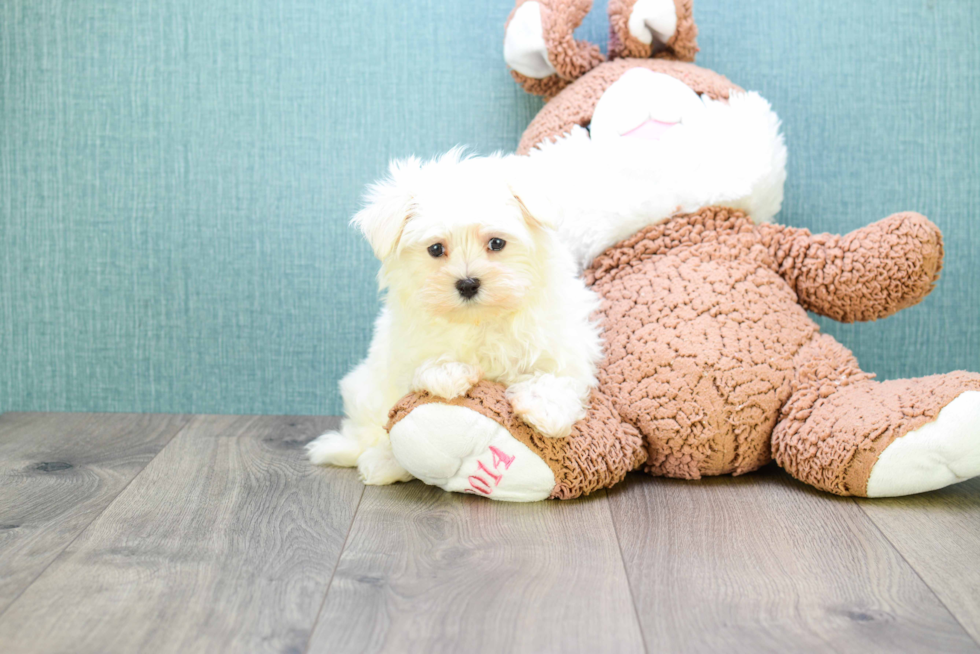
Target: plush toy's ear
<point>389,205</point>
<point>663,29</point>
<point>539,46</point>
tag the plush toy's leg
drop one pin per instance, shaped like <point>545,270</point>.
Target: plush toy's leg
<point>476,444</point>
<point>644,28</point>
<point>843,432</point>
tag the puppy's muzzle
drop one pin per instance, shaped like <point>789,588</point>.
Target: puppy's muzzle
<point>468,287</point>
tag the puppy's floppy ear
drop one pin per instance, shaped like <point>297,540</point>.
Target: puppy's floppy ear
<point>541,218</point>
<point>390,203</point>
<point>536,207</point>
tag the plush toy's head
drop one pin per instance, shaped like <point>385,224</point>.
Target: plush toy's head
<point>651,50</point>
<point>646,87</point>
<point>644,133</point>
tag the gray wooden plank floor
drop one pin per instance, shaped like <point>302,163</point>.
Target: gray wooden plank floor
<point>938,533</point>
<point>429,571</point>
<point>211,533</point>
<point>226,541</point>
<point>57,473</point>
<point>764,563</point>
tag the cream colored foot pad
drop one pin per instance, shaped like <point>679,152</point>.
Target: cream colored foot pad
<point>460,450</point>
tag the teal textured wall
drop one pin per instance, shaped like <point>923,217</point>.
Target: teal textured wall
<point>176,177</point>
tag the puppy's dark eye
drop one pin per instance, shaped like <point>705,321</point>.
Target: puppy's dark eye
<point>497,244</point>
<point>436,250</point>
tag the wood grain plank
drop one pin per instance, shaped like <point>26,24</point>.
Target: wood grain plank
<point>225,542</point>
<point>938,534</point>
<point>763,563</point>
<point>58,472</point>
<point>429,571</point>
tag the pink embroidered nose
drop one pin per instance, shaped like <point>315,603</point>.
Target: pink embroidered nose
<point>650,129</point>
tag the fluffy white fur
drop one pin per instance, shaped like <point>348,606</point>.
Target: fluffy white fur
<point>600,193</point>
<point>528,327</point>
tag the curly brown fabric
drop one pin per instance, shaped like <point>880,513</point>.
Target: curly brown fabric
<point>708,345</point>
<point>839,421</point>
<point>575,104</point>
<point>700,338</point>
<point>571,58</point>
<point>682,46</point>
<point>599,452</point>
<point>549,86</point>
<point>868,274</point>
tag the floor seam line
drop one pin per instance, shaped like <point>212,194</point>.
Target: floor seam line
<point>916,572</point>
<point>326,594</point>
<point>629,585</point>
<point>64,549</point>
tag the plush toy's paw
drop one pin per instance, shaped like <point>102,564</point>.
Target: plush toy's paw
<point>548,403</point>
<point>334,448</point>
<point>461,450</point>
<point>524,47</point>
<point>377,466</point>
<point>937,454</point>
<point>446,379</point>
<point>653,21</point>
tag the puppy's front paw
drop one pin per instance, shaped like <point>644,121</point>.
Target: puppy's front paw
<point>549,404</point>
<point>447,379</point>
<point>377,467</point>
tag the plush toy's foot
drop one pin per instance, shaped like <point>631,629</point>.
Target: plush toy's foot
<point>458,449</point>
<point>477,444</point>
<point>843,432</point>
<point>937,454</point>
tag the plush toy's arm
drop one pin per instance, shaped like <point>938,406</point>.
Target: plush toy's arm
<point>868,274</point>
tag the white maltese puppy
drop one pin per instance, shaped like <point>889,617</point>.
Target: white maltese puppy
<point>477,287</point>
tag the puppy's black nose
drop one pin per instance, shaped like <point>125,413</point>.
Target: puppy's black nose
<point>468,287</point>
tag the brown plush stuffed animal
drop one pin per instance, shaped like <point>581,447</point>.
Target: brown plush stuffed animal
<point>712,365</point>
